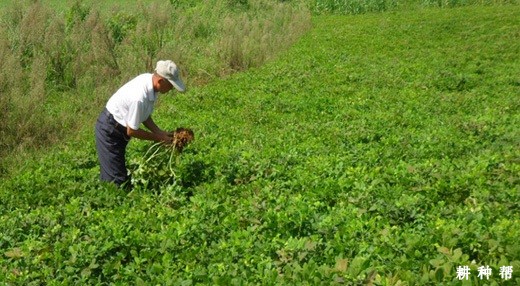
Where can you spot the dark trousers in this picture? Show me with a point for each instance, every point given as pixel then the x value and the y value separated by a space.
pixel 111 141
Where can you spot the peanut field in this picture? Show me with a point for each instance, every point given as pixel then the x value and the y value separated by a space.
pixel 380 148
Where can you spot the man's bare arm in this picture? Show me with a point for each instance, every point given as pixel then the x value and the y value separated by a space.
pixel 146 135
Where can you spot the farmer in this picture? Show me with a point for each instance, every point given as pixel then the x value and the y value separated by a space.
pixel 130 106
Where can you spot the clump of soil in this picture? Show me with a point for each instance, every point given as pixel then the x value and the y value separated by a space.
pixel 181 137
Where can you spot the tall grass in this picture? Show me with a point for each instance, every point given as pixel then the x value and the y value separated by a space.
pixel 59 67
pixel 251 39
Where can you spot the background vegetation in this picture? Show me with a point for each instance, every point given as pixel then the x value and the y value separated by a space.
pixel 379 149
pixel 59 65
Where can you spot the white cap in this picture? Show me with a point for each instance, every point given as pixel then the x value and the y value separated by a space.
pixel 169 71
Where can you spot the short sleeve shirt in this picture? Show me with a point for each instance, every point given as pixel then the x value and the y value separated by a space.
pixel 133 103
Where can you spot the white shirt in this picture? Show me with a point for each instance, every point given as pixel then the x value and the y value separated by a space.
pixel 133 103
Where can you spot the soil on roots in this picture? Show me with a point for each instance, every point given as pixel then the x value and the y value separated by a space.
pixel 182 137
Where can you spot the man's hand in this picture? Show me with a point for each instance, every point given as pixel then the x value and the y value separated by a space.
pixel 164 133
pixel 155 134
pixel 167 138
pixel 164 137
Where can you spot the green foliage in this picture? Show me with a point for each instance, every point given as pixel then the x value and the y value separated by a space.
pixel 120 24
pixel 77 13
pixel 381 149
pixel 354 7
pixel 459 3
pixel 61 65
pixel 183 3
